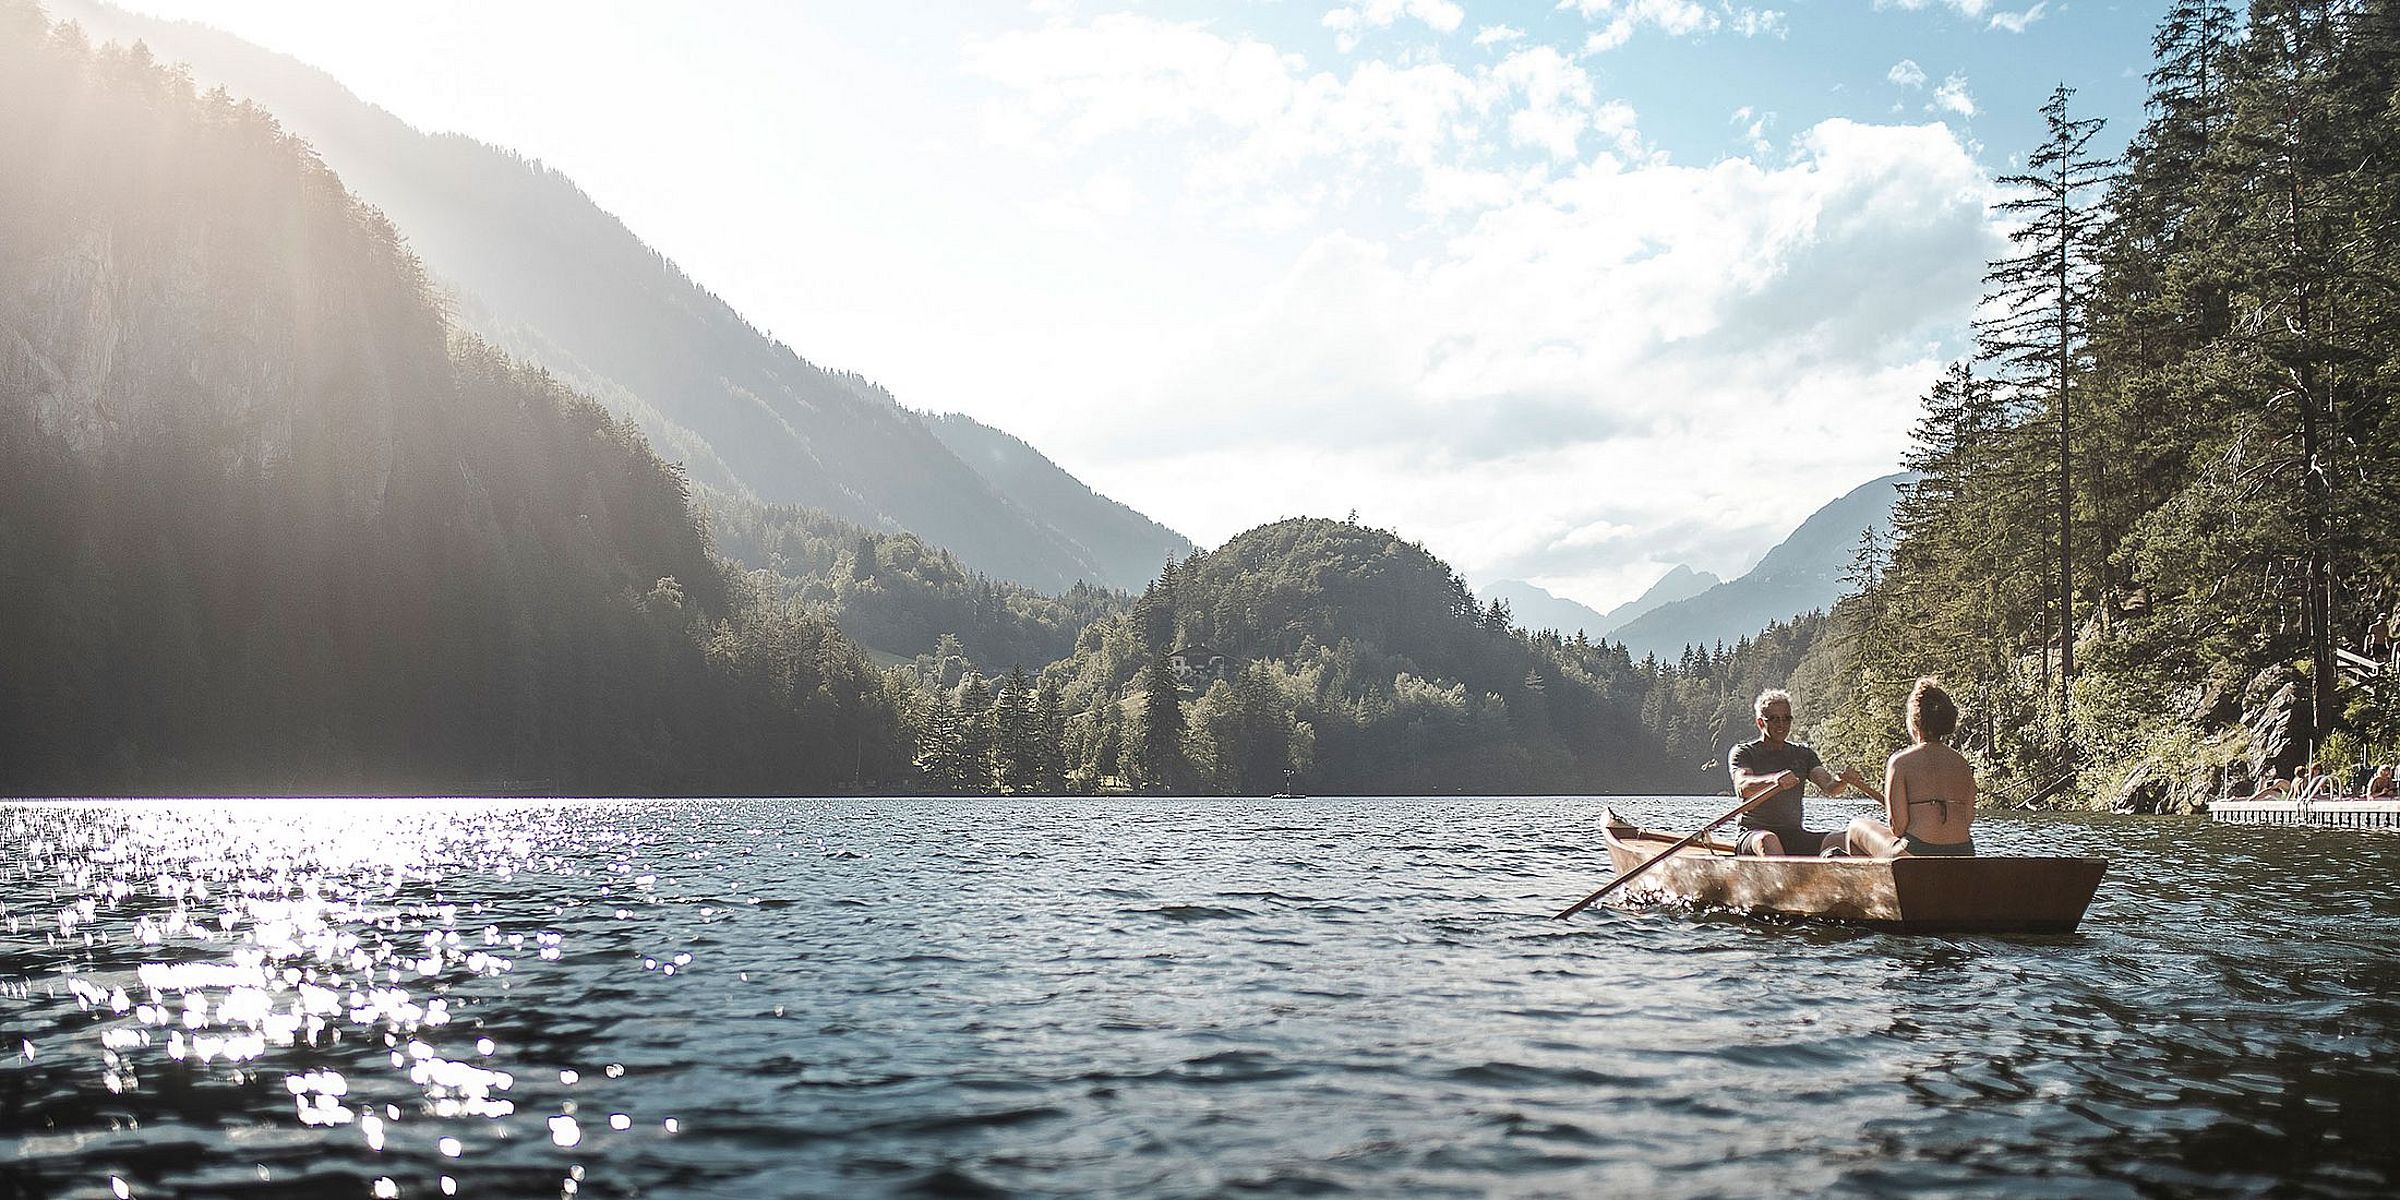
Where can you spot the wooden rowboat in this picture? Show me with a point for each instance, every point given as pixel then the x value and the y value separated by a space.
pixel 1906 895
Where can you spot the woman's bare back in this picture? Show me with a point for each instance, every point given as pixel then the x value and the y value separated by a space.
pixel 1938 786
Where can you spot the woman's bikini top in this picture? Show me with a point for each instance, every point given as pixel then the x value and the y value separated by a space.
pixel 1943 804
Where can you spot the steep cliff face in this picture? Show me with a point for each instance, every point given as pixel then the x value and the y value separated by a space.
pixel 178 271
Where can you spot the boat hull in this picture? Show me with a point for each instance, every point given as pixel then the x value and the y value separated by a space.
pixel 1910 894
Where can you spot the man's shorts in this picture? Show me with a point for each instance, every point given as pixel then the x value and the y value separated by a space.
pixel 1803 843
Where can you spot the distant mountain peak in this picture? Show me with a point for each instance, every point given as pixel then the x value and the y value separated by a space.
pixel 1679 583
pixel 1803 573
pixel 1535 608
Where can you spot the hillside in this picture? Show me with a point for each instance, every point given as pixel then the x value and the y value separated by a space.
pixel 1128 547
pixel 267 524
pixel 536 268
pixel 892 592
pixel 1371 658
pixel 1804 573
pixel 1681 583
pixel 1534 608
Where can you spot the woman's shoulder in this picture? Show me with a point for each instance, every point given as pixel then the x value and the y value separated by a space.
pixel 1932 756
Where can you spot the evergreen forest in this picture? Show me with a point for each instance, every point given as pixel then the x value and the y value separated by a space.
pixel 2151 547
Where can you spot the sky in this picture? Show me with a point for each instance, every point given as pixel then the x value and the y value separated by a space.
pixel 1569 292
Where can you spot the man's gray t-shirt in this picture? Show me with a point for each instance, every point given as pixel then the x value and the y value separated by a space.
pixel 1783 814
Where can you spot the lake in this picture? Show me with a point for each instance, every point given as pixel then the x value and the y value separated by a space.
pixel 1150 997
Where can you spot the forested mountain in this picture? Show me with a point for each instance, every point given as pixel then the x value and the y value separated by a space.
pixel 1353 661
pixel 266 523
pixel 543 273
pixel 2155 505
pixel 892 592
pixel 1806 572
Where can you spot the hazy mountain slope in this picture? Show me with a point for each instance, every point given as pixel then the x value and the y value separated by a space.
pixel 1681 583
pixel 1801 574
pixel 891 592
pixel 1129 547
pixel 546 274
pixel 266 525
pixel 1534 608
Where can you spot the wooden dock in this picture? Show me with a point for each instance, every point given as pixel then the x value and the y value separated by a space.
pixel 2341 814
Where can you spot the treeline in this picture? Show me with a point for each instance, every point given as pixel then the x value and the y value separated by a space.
pixel 893 592
pixel 1700 704
pixel 1343 659
pixel 2156 501
pixel 266 524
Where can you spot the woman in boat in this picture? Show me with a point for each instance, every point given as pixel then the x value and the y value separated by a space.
pixel 1928 789
pixel 2380 787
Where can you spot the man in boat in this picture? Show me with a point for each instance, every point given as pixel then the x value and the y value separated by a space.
pixel 1781 768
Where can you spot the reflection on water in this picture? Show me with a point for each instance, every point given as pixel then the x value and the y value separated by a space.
pixel 1185 997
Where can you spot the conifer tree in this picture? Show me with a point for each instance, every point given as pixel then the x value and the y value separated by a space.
pixel 2040 296
pixel 1050 737
pixel 2306 301
pixel 977 730
pixel 1160 749
pixel 1016 743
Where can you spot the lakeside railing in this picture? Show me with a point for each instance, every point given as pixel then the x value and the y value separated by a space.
pixel 2344 814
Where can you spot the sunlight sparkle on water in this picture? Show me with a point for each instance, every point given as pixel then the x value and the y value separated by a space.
pixel 239 930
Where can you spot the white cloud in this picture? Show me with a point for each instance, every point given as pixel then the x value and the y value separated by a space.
pixel 1952 97
pixel 1619 20
pixel 2013 22
pixel 1964 8
pixel 1262 132
pixel 1351 20
pixel 2017 21
pixel 1758 22
pixel 1620 347
pixel 1906 73
pixel 1754 126
pixel 1582 346
pixel 1493 35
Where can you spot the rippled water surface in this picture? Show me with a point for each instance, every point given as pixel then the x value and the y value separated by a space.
pixel 1148 997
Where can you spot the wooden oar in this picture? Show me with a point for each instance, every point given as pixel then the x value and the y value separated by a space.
pixel 1671 851
pixel 1677 848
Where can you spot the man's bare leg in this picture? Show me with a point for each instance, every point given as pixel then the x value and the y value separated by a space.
pixel 1870 838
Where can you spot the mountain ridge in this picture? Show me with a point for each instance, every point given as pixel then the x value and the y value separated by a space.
pixel 1803 573
pixel 543 272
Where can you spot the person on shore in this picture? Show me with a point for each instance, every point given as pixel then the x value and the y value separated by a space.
pixel 1928 789
pixel 2381 787
pixel 1777 767
pixel 2270 786
pixel 2309 783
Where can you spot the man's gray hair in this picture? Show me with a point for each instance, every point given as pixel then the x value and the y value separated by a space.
pixel 1770 696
